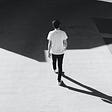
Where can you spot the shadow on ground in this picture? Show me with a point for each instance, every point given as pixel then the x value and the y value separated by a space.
pixel 93 92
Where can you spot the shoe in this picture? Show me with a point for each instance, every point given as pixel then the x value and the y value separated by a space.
pixel 60 83
pixel 55 71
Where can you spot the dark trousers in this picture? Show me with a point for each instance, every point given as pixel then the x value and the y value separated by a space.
pixel 59 59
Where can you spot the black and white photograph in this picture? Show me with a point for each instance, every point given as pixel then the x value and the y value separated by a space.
pixel 55 55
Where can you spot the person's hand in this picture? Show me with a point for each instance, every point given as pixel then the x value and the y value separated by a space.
pixel 49 54
pixel 64 48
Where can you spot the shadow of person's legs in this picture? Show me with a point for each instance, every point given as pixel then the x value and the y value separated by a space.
pixel 91 91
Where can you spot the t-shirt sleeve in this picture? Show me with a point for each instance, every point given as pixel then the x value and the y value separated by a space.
pixel 49 36
pixel 65 36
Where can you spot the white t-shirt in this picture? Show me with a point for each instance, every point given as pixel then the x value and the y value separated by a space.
pixel 56 37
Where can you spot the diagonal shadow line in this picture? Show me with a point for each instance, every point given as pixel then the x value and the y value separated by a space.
pixel 92 92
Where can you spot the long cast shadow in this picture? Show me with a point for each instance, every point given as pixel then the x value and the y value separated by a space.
pixel 93 92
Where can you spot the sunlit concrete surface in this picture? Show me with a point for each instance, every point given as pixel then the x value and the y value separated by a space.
pixel 27 85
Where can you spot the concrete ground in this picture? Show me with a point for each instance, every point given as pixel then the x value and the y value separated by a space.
pixel 27 82
pixel 27 85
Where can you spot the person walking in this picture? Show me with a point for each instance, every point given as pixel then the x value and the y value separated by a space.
pixel 57 44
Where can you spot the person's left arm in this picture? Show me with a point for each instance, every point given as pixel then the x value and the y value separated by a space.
pixel 49 44
pixel 65 44
pixel 65 41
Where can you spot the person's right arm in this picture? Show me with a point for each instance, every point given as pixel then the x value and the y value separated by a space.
pixel 49 44
pixel 49 48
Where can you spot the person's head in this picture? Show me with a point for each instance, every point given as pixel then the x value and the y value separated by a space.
pixel 56 24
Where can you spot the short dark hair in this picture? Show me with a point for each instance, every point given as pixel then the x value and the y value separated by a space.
pixel 56 23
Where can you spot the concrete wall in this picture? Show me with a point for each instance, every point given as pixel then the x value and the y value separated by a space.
pixel 24 25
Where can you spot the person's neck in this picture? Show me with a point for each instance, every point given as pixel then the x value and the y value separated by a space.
pixel 57 28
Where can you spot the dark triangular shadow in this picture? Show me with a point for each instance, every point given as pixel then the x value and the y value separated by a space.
pixel 93 92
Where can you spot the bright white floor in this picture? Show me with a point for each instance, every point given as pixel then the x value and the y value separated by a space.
pixel 27 85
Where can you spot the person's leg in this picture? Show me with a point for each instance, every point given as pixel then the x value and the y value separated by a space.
pixel 60 62
pixel 54 61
